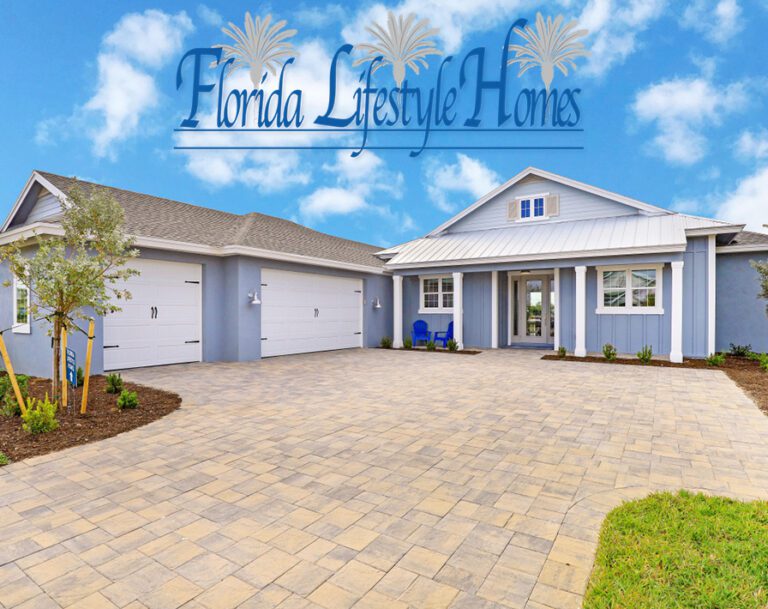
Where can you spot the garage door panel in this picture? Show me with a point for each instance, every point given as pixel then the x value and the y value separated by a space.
pixel 304 312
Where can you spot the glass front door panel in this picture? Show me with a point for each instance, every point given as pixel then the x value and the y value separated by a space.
pixel 534 294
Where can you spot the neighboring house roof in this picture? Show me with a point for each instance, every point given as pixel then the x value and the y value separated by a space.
pixel 151 218
pixel 583 238
pixel 547 175
pixel 746 241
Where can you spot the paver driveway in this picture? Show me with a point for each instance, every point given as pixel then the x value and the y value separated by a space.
pixel 368 479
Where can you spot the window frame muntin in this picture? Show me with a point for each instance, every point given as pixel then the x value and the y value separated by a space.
pixel 628 308
pixel 439 309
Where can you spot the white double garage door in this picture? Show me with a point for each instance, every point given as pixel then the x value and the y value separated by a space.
pixel 162 322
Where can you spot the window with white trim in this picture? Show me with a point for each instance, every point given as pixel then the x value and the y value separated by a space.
pixel 436 294
pixel 635 289
pixel 21 324
pixel 531 207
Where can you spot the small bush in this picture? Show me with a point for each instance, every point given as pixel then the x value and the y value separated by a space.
pixel 716 359
pixel 755 357
pixel 128 400
pixel 4 460
pixel 562 352
pixel 609 352
pixel 40 416
pixel 386 342
pixel 407 343
pixel 453 345
pixel 431 346
pixel 763 360
pixel 80 376
pixel 114 383
pixel 645 354
pixel 8 404
pixel 741 350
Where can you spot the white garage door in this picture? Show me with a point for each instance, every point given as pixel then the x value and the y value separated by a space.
pixel 304 312
pixel 161 323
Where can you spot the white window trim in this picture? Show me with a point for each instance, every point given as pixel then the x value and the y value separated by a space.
pixel 628 309
pixel 521 198
pixel 441 308
pixel 20 328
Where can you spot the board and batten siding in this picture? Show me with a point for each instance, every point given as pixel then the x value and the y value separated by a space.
pixel 574 205
pixel 741 316
pixel 46 206
pixel 695 278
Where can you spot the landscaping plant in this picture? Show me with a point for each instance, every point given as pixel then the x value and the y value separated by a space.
pixel 609 352
pixel 453 345
pixel 80 376
pixel 431 346
pixel 562 352
pixel 761 266
pixel 763 361
pixel 741 350
pixel 407 343
pixel 716 359
pixel 4 460
pixel 114 383
pixel 645 354
pixel 74 275
pixel 40 416
pixel 8 404
pixel 386 342
pixel 128 400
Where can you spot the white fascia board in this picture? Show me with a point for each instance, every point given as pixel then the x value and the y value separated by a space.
pixel 34 178
pixel 628 251
pixel 740 249
pixel 714 230
pixel 644 207
pixel 29 231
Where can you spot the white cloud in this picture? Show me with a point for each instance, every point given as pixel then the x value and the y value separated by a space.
pixel 717 20
pixel 320 16
pixel 209 16
pixel 327 201
pixel 614 27
pixel 150 38
pixel 682 109
pixel 748 202
pixel 465 176
pixel 753 145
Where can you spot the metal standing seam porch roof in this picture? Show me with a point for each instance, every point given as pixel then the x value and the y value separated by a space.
pixel 593 237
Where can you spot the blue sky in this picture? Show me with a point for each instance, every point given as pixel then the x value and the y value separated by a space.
pixel 673 108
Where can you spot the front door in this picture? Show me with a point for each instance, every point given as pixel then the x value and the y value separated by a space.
pixel 534 309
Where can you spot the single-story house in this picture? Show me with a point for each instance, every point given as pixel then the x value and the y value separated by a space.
pixel 541 261
pixel 547 261
pixel 214 286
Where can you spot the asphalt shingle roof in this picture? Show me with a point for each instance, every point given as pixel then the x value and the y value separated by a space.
pixel 746 237
pixel 150 216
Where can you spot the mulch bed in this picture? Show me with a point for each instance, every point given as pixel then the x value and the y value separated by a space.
pixel 425 350
pixel 745 372
pixel 103 419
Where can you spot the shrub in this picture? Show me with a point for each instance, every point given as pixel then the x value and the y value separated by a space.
pixel 453 345
pixel 763 360
pixel 4 460
pixel 645 354
pixel 431 346
pixel 407 343
pixel 80 376
pixel 741 350
pixel 40 416
pixel 128 400
pixel 386 342
pixel 114 383
pixel 562 352
pixel 716 359
pixel 609 351
pixel 8 404
pixel 755 357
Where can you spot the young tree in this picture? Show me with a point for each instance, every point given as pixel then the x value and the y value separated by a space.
pixel 68 273
pixel 761 266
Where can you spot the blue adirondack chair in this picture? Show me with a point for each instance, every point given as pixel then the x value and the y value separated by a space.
pixel 420 331
pixel 444 337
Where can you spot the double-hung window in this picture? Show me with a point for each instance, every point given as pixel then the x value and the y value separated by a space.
pixel 21 321
pixel 636 289
pixel 436 294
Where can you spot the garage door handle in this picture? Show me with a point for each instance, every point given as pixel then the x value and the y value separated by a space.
pixel 110 346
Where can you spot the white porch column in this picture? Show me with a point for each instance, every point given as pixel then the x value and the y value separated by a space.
pixel 581 311
pixel 510 311
pixel 557 308
pixel 676 354
pixel 458 309
pixel 711 293
pixel 494 310
pixel 397 311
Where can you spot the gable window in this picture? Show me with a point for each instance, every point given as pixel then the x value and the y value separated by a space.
pixel 530 207
pixel 21 323
pixel 628 290
pixel 436 294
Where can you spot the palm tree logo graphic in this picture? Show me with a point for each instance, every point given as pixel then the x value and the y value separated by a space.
pixel 550 45
pixel 259 47
pixel 404 44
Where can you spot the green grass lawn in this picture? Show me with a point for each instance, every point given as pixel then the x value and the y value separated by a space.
pixel 682 551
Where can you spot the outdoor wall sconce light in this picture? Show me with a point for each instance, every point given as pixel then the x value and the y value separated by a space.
pixel 376 303
pixel 253 297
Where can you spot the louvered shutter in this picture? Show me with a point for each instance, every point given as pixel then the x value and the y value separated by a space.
pixel 552 206
pixel 512 210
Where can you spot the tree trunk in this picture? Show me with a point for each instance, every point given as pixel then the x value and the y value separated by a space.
pixel 56 359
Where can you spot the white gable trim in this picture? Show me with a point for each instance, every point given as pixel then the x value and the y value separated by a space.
pixel 34 178
pixel 644 207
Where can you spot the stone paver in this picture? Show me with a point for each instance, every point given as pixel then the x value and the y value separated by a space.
pixel 369 479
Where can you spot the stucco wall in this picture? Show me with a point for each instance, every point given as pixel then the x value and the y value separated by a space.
pixel 741 316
